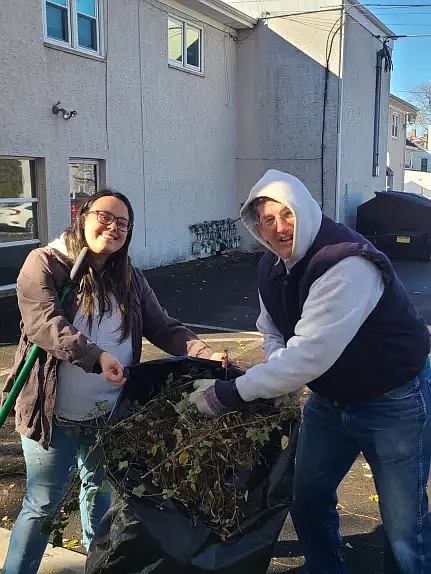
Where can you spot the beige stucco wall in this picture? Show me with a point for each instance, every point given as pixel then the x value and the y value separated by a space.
pixel 357 184
pixel 167 136
pixel 280 75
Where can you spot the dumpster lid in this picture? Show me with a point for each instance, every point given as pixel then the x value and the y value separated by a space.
pixel 406 196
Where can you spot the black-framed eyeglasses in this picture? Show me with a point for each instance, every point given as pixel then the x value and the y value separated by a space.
pixel 106 218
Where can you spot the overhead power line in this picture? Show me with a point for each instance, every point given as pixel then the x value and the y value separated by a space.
pixel 398 36
pixel 339 7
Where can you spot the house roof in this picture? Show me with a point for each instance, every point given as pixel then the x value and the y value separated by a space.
pixel 372 18
pixel 411 144
pixel 403 103
pixel 222 12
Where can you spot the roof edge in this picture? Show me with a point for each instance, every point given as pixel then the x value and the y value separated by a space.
pixel 403 102
pixel 222 12
pixel 372 18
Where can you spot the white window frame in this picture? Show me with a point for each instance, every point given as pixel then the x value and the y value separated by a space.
pixel 396 125
pixel 72 20
pixel 184 65
pixel 408 164
pixel 95 162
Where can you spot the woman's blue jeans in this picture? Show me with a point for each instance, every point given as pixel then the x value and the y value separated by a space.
pixel 49 474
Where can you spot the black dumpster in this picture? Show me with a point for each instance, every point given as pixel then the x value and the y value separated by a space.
pixel 140 535
pixel 397 223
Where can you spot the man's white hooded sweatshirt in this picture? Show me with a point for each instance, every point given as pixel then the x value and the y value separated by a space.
pixel 337 305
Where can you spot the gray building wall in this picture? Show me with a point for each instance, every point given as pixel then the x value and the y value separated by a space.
pixel 34 78
pixel 167 136
pixel 280 83
pixel 357 183
pixel 189 140
pixel 295 69
pixel 187 148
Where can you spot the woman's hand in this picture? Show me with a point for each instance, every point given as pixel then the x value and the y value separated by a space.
pixel 112 369
pixel 223 359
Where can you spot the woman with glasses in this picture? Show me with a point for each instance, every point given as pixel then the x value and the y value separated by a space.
pixel 85 344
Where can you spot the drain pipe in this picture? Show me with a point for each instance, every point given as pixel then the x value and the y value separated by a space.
pixel 377 104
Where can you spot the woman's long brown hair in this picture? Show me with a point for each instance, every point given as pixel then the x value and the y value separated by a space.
pixel 116 275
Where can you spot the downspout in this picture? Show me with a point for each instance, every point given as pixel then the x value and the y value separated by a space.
pixel 343 39
pixel 377 104
pixel 406 115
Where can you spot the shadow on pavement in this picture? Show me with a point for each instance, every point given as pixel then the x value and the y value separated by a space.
pixel 363 552
pixel 222 292
pixel 9 320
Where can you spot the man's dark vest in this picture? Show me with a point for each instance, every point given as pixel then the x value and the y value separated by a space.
pixel 390 347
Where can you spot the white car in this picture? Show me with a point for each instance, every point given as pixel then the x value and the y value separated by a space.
pixel 17 215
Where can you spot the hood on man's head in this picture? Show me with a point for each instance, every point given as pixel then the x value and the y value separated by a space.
pixel 289 191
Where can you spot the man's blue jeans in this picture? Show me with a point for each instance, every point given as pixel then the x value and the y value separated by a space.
pixel 49 474
pixel 393 432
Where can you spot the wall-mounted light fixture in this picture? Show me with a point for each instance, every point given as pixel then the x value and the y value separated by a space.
pixel 66 115
pixel 411 118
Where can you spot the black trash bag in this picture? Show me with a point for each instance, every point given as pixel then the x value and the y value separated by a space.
pixel 139 536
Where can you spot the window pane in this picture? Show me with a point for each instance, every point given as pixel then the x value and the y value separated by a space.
pixel 16 178
pixel 175 40
pixel 11 261
pixel 87 37
pixel 87 7
pixel 18 222
pixel 193 47
pixel 83 183
pixel 56 23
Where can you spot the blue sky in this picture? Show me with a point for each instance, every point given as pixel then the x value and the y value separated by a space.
pixel 412 56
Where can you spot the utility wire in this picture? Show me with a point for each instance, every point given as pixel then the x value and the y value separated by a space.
pixel 385 6
pixel 396 37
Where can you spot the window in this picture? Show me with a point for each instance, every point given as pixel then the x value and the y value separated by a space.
pixel 57 20
pixel 389 179
pixel 424 164
pixel 395 125
pixel 19 232
pixel 184 45
pixel 84 181
pixel 73 23
pixel 409 161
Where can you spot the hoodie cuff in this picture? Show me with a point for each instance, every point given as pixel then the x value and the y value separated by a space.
pixel 227 394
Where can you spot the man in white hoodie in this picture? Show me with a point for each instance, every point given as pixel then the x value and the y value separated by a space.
pixel 334 316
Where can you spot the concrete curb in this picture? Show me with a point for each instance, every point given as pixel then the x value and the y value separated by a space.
pixel 55 560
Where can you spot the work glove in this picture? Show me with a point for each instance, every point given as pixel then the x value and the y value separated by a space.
pixel 213 396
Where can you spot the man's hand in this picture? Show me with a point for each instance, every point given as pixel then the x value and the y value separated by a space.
pixel 221 358
pixel 112 369
pixel 213 396
pixel 204 395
